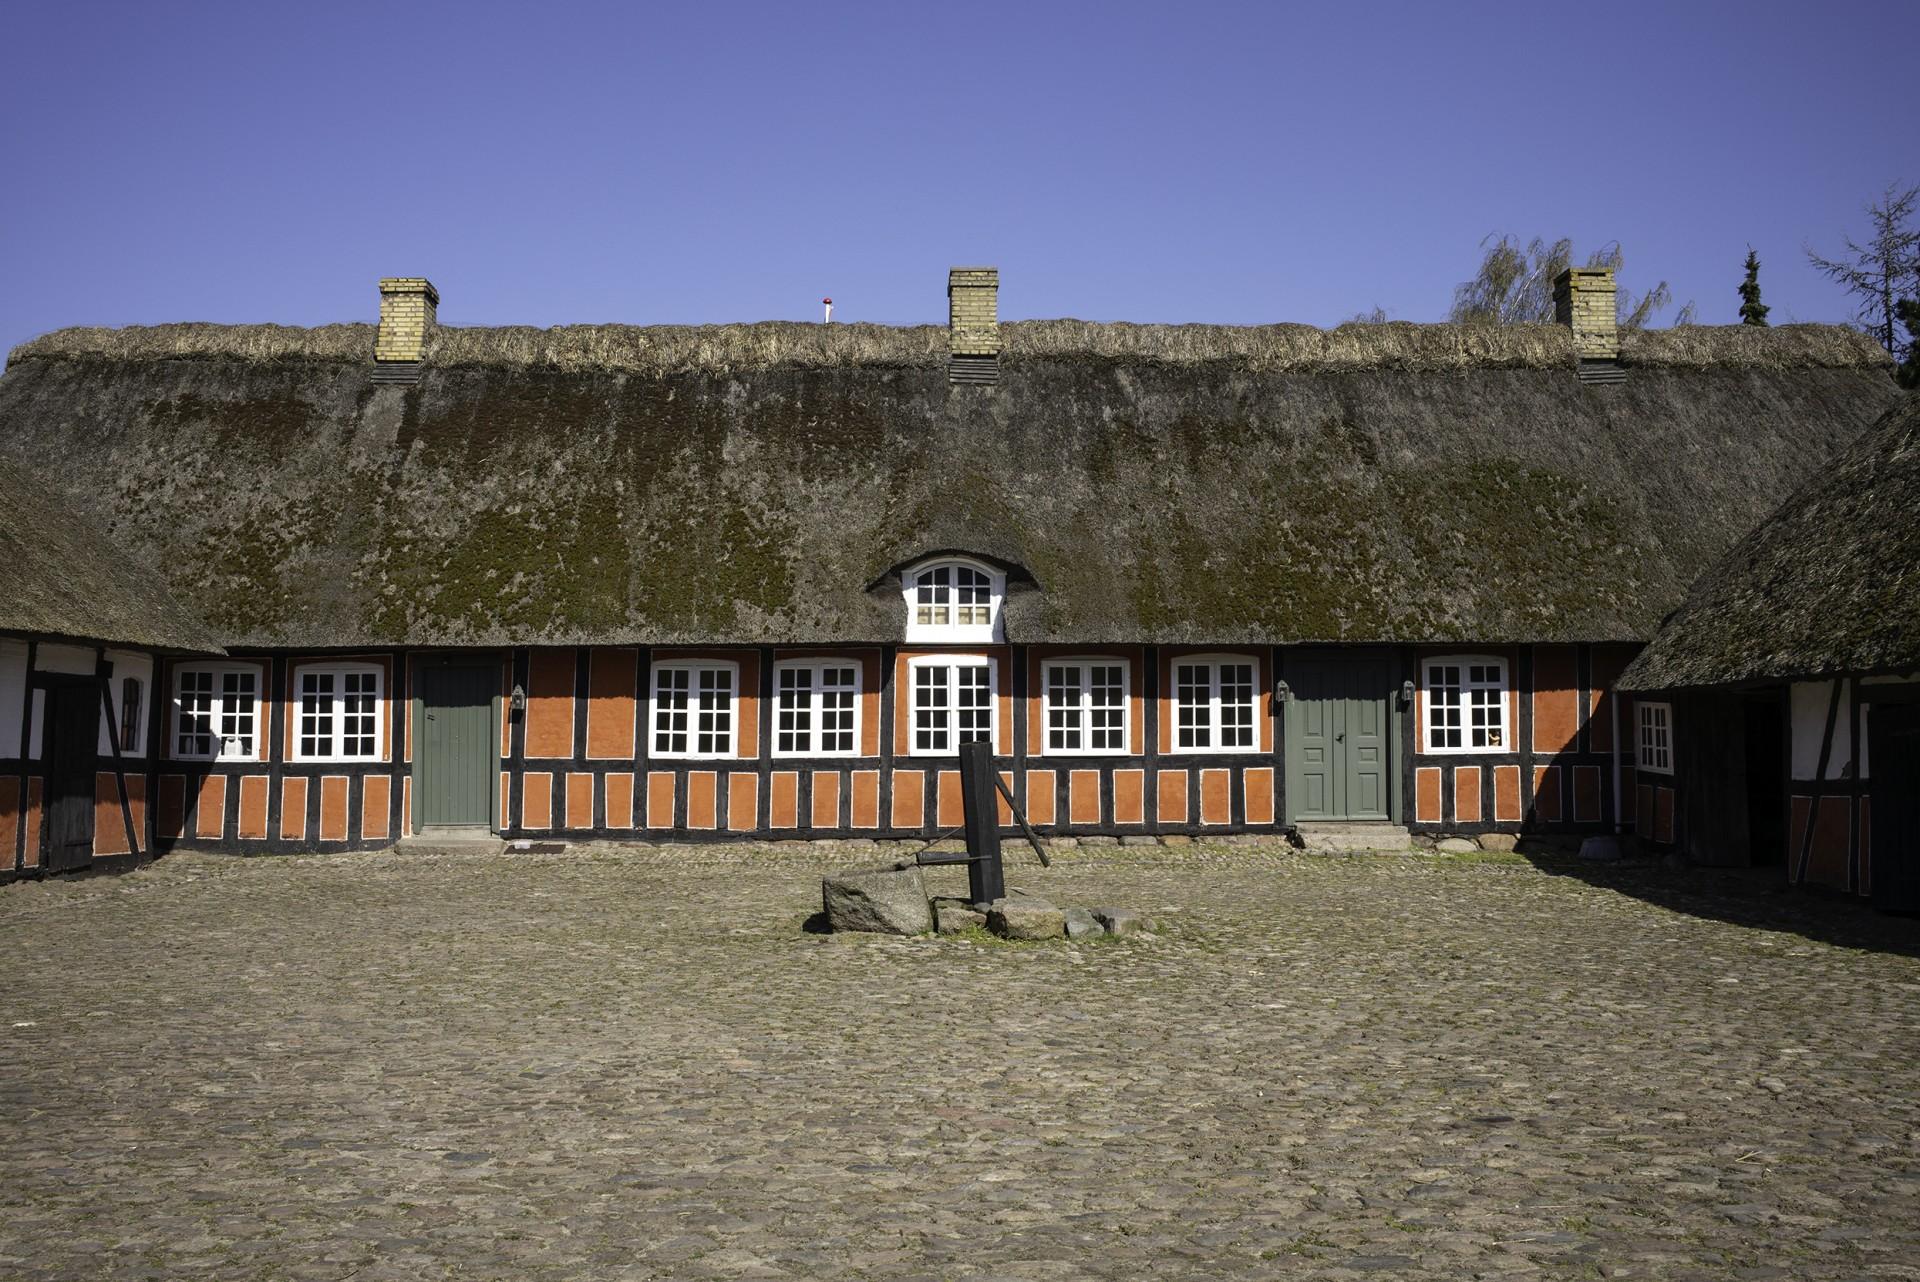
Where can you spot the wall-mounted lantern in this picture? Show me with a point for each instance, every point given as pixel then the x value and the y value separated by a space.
pixel 1282 691
pixel 1406 693
pixel 518 700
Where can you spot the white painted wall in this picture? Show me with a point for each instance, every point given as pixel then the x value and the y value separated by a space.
pixel 127 663
pixel 75 660
pixel 1810 699
pixel 13 694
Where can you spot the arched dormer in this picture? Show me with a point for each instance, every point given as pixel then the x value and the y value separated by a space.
pixel 954 599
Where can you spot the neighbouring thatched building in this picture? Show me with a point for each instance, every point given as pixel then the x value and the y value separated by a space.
pixel 763 579
pixel 81 629
pixel 1793 671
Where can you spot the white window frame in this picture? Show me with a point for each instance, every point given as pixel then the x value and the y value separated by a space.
pixel 1653 736
pixel 693 668
pixel 1213 663
pixel 814 710
pixel 952 662
pixel 216 711
pixel 1504 704
pixel 336 714
pixel 910 592
pixel 1083 708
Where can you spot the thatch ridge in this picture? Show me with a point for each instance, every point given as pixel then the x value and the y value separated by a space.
pixel 767 345
pixel 1829 583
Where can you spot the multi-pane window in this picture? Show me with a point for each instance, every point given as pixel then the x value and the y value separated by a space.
pixel 952 704
pixel 693 709
pixel 952 600
pixel 816 708
pixel 1466 705
pixel 1656 737
pixel 1086 706
pixel 216 712
pixel 1213 705
pixel 336 713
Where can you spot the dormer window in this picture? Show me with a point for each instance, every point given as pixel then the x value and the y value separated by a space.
pixel 954 601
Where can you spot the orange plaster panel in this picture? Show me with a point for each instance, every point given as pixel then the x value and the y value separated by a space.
pixel 1083 797
pixel 9 819
pixel 293 808
pixel 1556 698
pixel 1040 799
pixel 866 799
pixel 703 799
pixel 749 747
pixel 334 816
pixel 1608 663
pixel 579 800
pixel 870 711
pixel 254 794
pixel 549 714
pixel 1506 794
pixel 1827 862
pixel 172 819
pixel 506 799
pixel 909 799
pixel 210 811
pixel 1170 804
pixel 826 799
pixel 783 799
pixel 35 806
pixel 137 803
pixel 1259 782
pixel 1466 794
pixel 376 807
pixel 1546 794
pixel 1642 818
pixel 1216 796
pixel 1426 795
pixel 612 697
pixel 1586 794
pixel 949 813
pixel 109 827
pixel 406 806
pixel 536 800
pixel 1129 796
pixel 660 793
pixel 1002 812
pixel 743 801
pixel 620 800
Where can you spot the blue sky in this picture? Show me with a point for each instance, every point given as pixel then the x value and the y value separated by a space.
pixel 1225 162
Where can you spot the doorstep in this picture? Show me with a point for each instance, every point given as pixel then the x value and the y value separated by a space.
pixel 1344 837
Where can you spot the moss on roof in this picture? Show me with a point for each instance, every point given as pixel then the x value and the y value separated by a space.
pixel 1829 583
pixel 63 578
pixel 1159 483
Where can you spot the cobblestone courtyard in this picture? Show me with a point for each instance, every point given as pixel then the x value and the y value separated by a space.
pixel 632 1064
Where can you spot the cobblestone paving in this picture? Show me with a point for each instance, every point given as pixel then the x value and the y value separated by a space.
pixel 636 1064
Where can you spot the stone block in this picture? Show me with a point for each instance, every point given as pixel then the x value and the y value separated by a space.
pixel 951 916
pixel 1500 841
pixel 1122 921
pixel 888 901
pixel 1026 918
pixel 1454 846
pixel 1080 924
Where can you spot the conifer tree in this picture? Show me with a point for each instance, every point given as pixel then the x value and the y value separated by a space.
pixel 1752 310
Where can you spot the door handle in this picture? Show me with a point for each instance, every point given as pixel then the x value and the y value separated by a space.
pixel 1340 738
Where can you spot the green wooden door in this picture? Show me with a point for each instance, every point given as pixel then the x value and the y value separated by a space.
pixel 1338 736
pixel 454 759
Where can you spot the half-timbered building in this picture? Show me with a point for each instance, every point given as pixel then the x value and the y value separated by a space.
pixel 1781 702
pixel 762 580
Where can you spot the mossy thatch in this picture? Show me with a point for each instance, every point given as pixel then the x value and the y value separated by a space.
pixel 665 349
pixel 64 579
pixel 1830 583
pixel 294 502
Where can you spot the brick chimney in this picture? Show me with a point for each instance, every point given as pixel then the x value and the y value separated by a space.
pixel 407 309
pixel 1583 298
pixel 973 325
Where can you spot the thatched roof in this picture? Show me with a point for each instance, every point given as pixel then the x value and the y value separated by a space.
pixel 64 580
pixel 748 483
pixel 1830 583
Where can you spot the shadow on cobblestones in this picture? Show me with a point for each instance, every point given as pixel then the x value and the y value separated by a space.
pixel 1757 898
pixel 622 1064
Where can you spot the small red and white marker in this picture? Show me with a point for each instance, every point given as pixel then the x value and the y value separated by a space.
pixel 828 304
